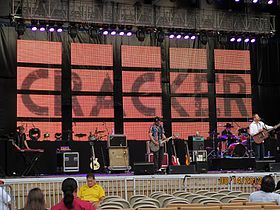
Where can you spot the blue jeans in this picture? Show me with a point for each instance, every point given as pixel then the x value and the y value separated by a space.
pixel 259 151
pixel 158 158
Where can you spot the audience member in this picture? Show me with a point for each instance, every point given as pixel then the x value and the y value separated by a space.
pixel 266 194
pixel 35 200
pixel 70 200
pixel 5 198
pixel 92 191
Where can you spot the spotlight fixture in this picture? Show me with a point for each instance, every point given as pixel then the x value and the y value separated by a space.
pixel 178 36
pixel 73 31
pixel 105 32
pixel 203 38
pixel 270 2
pixel 34 25
pixel 171 36
pixel 20 28
pixel 140 34
pixel 255 1
pixel 129 33
pixel 121 33
pixel 253 40
pixel 113 33
pixel 237 0
pixel 246 40
pixel 51 27
pixel 59 27
pixel 239 39
pixel 232 39
pixel 193 37
pixel 223 38
pixel 186 37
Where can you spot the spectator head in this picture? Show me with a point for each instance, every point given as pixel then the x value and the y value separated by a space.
pixel 91 180
pixel 69 187
pixel 268 184
pixel 35 200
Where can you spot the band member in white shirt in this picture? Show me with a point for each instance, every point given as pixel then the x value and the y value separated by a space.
pixel 255 127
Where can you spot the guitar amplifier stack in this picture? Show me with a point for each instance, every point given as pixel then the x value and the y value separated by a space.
pixel 118 153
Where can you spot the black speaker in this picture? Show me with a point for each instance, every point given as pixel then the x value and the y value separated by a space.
pixel 182 169
pixel 143 168
pixel 274 167
pixel 196 143
pixel 263 165
pixel 201 167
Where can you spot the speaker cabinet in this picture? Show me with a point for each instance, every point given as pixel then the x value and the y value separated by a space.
pixel 182 169
pixel 117 140
pixel 196 143
pixel 119 158
pixel 143 168
pixel 264 165
pixel 274 167
pixel 201 167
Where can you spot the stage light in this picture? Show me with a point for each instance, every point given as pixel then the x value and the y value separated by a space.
pixel 73 31
pixel 223 38
pixel 113 33
pixel 129 33
pixel 59 27
pixel 186 37
pixel 140 34
pixel 34 28
pixel 246 40
pixel 171 36
pixel 178 36
pixel 121 33
pixel 193 37
pixel 270 2
pixel 203 38
pixel 34 134
pixel 239 39
pixel 105 32
pixel 20 28
pixel 253 40
pixel 232 39
pixel 34 25
pixel 237 0
pixel 51 29
pixel 255 1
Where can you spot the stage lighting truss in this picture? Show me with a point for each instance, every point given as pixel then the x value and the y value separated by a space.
pixel 146 15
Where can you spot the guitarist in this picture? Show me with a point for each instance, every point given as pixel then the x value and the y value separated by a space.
pixel 156 132
pixel 255 127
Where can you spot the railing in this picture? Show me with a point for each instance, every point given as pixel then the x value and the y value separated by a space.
pixel 126 186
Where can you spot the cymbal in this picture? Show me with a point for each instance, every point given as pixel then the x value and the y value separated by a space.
pixel 99 131
pixel 80 135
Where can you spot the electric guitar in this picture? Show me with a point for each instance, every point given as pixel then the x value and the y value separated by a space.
pixel 174 158
pixel 188 158
pixel 155 147
pixel 264 134
pixel 94 164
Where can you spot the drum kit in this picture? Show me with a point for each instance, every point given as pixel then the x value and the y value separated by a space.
pixel 230 145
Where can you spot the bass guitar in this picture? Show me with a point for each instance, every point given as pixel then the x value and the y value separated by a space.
pixel 264 134
pixel 94 164
pixel 155 147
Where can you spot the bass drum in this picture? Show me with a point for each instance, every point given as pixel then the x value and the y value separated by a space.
pixel 238 150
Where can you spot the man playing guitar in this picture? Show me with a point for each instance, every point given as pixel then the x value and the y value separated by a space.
pixel 256 127
pixel 156 133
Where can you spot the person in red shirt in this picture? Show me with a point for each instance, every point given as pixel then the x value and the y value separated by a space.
pixel 70 200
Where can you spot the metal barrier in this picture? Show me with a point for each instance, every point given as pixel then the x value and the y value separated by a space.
pixel 6 197
pixel 126 186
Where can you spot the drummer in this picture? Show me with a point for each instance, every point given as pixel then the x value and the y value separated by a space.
pixel 227 134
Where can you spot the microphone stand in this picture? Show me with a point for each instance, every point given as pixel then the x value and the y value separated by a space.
pixel 213 153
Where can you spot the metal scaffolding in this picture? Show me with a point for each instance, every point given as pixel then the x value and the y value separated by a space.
pixel 81 11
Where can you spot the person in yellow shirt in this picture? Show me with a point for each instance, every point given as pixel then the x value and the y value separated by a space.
pixel 92 191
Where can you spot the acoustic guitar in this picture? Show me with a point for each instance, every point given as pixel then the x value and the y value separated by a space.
pixel 264 134
pixel 155 148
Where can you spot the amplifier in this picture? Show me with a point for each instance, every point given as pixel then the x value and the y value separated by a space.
pixel 119 158
pixel 165 161
pixel 196 143
pixel 201 167
pixel 117 140
pixel 68 162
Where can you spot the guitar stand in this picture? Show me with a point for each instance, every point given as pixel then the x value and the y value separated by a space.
pixel 30 163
